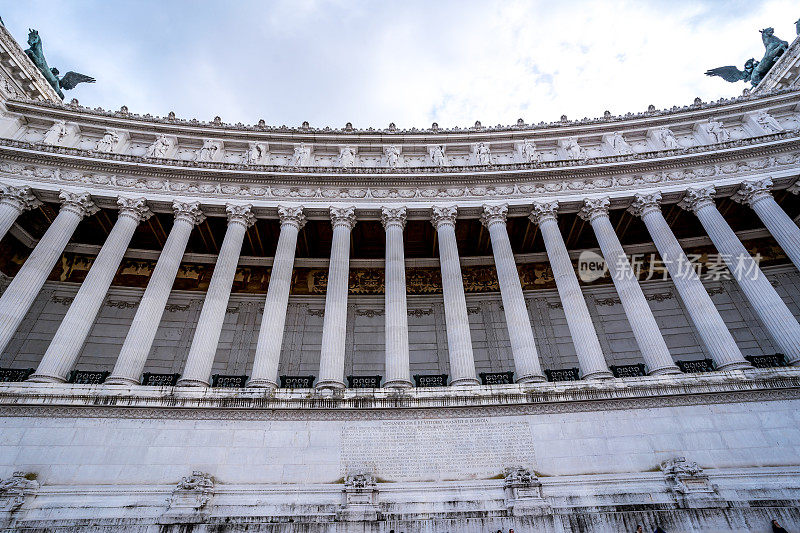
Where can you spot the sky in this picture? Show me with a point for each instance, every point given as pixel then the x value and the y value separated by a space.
pixel 411 62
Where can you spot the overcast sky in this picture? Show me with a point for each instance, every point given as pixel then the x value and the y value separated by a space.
pixel 411 62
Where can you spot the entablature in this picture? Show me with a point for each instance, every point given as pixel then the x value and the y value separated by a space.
pixel 262 152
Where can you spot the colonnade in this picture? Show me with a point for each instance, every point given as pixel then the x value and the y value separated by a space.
pixel 68 341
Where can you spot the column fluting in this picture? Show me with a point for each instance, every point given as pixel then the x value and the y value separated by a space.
pixel 704 314
pixel 581 328
pixel 200 360
pixel 273 321
pixel 136 347
pixel 23 289
pixel 523 345
pixel 758 196
pixel 640 316
pixel 397 356
pixel 768 305
pixel 334 325
pixel 71 335
pixel 459 339
pixel 13 202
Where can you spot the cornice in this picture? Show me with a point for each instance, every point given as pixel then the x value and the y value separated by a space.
pixel 86 160
pixel 776 156
pixel 59 400
pixel 262 132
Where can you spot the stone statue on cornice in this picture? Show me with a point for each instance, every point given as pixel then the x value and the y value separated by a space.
pixel 754 71
pixel 36 55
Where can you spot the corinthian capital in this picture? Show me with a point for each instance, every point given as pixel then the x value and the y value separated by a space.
pixel 343 216
pixel 393 215
pixel 136 208
pixel 79 203
pixel 492 214
pixel 751 192
pixel 645 203
pixel 188 211
pixel 240 214
pixel 292 215
pixel 695 199
pixel 22 198
pixel 594 207
pixel 543 211
pixel 444 215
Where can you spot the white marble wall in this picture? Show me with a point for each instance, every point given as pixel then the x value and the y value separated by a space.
pixel 364 345
pixel 99 450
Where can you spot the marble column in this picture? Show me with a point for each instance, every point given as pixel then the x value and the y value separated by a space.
pixel 23 289
pixel 459 340
pixel 640 316
pixel 520 334
pixel 581 328
pixel 137 344
pixel 769 307
pixel 334 325
pixel 397 358
pixel 197 371
pixel 757 195
pixel 706 318
pixel 270 335
pixel 13 202
pixel 71 335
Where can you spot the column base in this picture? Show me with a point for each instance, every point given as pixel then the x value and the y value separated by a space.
pixel 45 378
pixel 261 383
pixel 665 371
pixel 398 384
pixel 465 381
pixel 120 380
pixel 330 384
pixel 735 365
pixel 533 378
pixel 599 374
pixel 192 383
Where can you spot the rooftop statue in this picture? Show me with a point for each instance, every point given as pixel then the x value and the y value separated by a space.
pixel 36 54
pixel 754 71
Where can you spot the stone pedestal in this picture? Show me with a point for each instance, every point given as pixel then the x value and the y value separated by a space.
pixel 523 493
pixel 360 499
pixel 188 503
pixel 690 485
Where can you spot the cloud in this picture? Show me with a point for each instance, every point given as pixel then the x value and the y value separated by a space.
pixel 412 63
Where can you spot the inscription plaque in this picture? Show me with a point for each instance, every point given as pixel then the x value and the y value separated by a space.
pixel 425 450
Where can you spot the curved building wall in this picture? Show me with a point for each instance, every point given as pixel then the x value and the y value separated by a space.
pixel 470 238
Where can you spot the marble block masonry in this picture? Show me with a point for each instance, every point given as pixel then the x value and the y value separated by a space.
pixel 217 327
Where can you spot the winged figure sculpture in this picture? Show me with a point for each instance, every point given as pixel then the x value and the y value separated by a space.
pixel 754 71
pixel 36 55
pixel 733 74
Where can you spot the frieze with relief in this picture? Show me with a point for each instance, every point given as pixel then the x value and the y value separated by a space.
pixel 517 186
pixel 74 267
